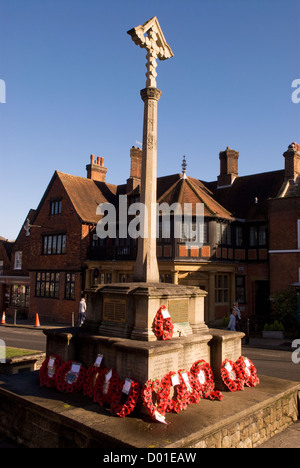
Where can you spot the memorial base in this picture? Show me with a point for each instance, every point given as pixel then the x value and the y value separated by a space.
pixel 127 310
pixel 141 360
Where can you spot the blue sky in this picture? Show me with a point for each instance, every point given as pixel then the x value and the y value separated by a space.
pixel 73 78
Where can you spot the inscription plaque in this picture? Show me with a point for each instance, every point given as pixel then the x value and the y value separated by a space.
pixel 114 310
pixel 179 310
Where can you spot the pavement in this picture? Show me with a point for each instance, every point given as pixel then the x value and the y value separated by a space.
pixel 290 438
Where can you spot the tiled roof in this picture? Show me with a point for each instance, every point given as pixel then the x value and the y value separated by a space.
pixel 248 196
pixel 86 194
pixel 176 189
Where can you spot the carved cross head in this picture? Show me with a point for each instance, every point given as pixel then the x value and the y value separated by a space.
pixel 150 37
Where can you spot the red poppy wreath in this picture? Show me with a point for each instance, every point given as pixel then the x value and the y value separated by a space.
pixel 232 376
pixel 162 325
pixel 154 390
pixel 91 377
pixel 107 387
pixel 179 400
pixel 70 377
pixel 126 399
pixel 248 371
pixel 48 371
pixel 204 380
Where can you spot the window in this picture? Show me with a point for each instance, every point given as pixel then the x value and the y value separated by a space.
pixel 47 284
pixel 240 289
pixel 1 267
pixel 253 236
pixel 18 261
pixel 262 236
pixel 239 236
pixel 54 245
pixel 223 233
pixel 258 236
pixel 55 207
pixel 221 289
pixel 70 286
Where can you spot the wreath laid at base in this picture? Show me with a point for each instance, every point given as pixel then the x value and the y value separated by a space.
pixel 48 371
pixel 70 377
pixel 91 377
pixel 153 399
pixel 232 376
pixel 204 380
pixel 125 402
pixel 163 327
pixel 248 371
pixel 107 387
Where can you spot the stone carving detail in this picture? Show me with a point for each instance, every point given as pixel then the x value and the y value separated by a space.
pixel 155 44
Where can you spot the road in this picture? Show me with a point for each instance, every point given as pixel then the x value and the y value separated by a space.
pixel 274 363
pixel 26 338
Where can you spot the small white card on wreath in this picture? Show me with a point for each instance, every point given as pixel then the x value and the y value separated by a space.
pixel 165 313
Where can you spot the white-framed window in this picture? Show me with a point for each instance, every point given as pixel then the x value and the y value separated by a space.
pixel 18 260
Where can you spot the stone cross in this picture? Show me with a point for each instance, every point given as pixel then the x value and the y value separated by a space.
pixel 155 44
pixel 146 267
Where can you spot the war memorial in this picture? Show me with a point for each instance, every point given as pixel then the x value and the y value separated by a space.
pixel 152 335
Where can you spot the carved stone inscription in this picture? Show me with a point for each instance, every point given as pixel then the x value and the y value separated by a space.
pixel 114 310
pixel 179 310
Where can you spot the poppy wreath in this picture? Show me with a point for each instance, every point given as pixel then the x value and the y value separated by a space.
pixel 48 379
pixel 150 387
pixel 61 378
pixel 191 391
pixel 232 376
pixel 105 393
pixel 124 409
pixel 178 401
pixel 204 381
pixel 163 328
pixel 248 371
pixel 89 384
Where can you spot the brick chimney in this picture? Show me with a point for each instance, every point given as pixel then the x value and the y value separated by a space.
pixel 228 167
pixel 96 170
pixel 292 162
pixel 135 168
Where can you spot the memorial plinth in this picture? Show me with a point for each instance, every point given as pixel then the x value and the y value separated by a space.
pixel 127 310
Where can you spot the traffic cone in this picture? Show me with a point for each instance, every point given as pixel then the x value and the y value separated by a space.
pixel 37 320
pixel 3 318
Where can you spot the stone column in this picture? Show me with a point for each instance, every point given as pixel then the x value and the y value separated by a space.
pixel 146 267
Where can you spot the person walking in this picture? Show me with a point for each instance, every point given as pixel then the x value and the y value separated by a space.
pixel 82 312
pixel 232 320
pixel 238 317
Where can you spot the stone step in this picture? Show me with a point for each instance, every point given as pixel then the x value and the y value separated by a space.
pixel 45 418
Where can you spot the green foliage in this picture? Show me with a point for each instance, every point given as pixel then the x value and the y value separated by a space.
pixel 285 308
pixel 276 326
